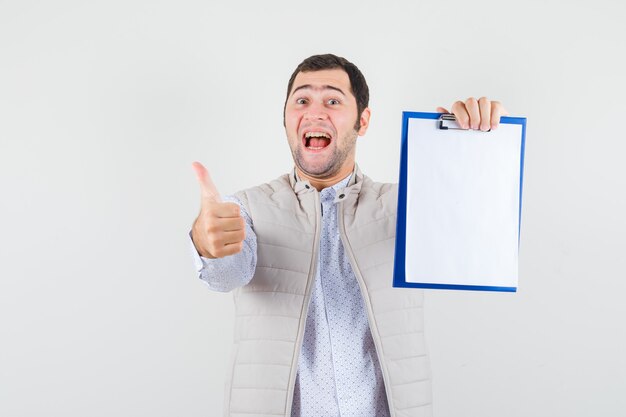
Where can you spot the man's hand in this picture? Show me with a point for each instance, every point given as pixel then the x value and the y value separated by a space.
pixel 475 114
pixel 219 229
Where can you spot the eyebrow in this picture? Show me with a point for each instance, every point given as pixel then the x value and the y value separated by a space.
pixel 324 87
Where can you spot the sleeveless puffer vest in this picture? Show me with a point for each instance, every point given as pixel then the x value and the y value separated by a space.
pixel 271 309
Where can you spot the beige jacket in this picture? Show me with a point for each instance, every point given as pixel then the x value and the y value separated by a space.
pixel 271 310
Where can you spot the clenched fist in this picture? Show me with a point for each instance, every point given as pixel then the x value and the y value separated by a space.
pixel 219 230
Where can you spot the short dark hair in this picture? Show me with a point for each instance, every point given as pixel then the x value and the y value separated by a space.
pixel 329 61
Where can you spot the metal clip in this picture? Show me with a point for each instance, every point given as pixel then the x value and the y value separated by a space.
pixel 448 122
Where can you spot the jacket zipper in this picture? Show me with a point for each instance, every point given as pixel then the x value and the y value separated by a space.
pixel 370 313
pixel 307 301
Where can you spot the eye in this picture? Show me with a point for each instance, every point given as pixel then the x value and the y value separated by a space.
pixel 333 101
pixel 301 101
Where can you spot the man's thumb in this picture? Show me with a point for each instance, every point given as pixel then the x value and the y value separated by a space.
pixel 207 188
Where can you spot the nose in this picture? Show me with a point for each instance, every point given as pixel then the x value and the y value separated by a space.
pixel 316 112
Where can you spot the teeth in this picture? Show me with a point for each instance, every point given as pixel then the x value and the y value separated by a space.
pixel 317 135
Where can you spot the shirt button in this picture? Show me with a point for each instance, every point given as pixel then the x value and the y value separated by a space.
pixel 342 195
pixel 307 186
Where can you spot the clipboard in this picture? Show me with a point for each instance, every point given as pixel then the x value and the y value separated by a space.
pixel 459 204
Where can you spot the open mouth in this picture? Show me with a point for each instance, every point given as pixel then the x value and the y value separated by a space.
pixel 316 140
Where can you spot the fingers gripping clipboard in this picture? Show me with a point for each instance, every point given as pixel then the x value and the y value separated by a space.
pixel 459 204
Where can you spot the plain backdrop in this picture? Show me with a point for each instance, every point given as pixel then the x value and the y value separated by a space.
pixel 104 105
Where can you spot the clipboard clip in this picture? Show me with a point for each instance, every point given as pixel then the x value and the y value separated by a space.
pixel 447 121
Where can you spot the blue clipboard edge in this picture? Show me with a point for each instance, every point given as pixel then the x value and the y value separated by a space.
pixel 399 272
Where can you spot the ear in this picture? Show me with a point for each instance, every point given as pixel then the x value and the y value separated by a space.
pixel 364 121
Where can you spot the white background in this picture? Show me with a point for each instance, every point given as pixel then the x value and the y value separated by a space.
pixel 105 104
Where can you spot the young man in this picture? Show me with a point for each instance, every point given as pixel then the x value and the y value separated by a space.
pixel 319 331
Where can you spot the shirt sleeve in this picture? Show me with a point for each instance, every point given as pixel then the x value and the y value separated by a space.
pixel 233 271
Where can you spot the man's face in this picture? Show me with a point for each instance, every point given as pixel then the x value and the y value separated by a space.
pixel 320 119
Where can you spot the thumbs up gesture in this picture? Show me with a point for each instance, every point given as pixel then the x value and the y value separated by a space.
pixel 219 230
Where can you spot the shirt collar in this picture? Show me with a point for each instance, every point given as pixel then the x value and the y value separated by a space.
pixel 349 185
pixel 328 194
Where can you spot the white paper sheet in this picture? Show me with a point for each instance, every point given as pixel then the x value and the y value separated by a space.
pixel 463 190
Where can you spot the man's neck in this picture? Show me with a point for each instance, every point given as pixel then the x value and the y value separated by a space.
pixel 321 183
